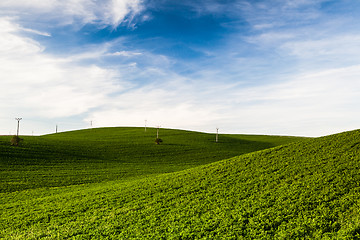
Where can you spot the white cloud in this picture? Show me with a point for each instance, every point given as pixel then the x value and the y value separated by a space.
pixel 108 12
pixel 125 54
pixel 300 3
pixel 313 104
pixel 45 34
pixel 330 46
pixel 270 38
pixel 289 14
pixel 40 86
pixel 37 85
pixel 263 26
pixel 119 9
pixel 40 5
pixel 11 45
pixel 173 104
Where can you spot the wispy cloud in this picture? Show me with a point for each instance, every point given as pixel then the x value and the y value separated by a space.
pixel 65 12
pixel 39 85
pixel 45 34
pixel 331 46
pixel 314 104
pixel 120 9
pixel 125 54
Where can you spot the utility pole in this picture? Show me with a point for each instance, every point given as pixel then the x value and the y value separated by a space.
pixel 145 124
pixel 157 140
pixel 157 131
pixel 91 122
pixel 217 135
pixel 18 125
pixel 56 128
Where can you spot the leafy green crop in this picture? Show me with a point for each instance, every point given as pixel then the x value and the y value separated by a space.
pixel 105 154
pixel 308 189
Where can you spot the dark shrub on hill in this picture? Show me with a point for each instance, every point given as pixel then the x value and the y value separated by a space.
pixel 15 140
pixel 158 141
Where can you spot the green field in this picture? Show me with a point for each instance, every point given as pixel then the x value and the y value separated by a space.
pixel 115 183
pixel 104 154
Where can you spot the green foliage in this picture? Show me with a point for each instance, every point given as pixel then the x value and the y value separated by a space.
pixel 158 141
pixel 307 189
pixel 15 140
pixel 106 154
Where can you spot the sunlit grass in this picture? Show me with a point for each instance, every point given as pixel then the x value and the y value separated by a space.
pixel 307 189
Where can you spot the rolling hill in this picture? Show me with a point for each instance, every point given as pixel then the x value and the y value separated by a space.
pixel 104 154
pixel 308 189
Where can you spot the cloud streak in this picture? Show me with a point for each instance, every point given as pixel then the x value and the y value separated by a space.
pixel 66 12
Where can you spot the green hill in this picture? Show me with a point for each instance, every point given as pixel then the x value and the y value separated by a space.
pixel 104 154
pixel 308 189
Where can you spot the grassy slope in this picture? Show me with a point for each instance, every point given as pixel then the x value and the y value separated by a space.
pixel 304 190
pixel 105 154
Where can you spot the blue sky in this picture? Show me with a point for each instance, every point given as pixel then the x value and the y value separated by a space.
pixel 285 67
